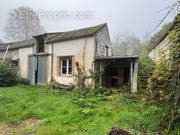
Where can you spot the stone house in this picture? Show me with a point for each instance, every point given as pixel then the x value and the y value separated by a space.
pixel 56 56
pixel 160 49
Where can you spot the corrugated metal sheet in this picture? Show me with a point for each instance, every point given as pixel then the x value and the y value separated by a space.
pixel 42 70
pixel 32 69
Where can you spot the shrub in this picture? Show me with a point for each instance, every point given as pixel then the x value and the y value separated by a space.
pixel 124 89
pixel 88 98
pixel 159 83
pixel 146 68
pixel 23 81
pixel 165 81
pixel 8 76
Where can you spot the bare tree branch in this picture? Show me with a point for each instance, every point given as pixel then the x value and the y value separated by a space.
pixel 172 9
pixel 22 24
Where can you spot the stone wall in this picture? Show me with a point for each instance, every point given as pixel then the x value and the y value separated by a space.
pixel 160 50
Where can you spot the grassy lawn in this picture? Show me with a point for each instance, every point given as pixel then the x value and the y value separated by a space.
pixel 68 113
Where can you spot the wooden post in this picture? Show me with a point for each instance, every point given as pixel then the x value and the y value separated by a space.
pixel 131 76
pixel 4 57
pixel 135 76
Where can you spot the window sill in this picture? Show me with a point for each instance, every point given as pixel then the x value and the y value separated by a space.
pixel 66 75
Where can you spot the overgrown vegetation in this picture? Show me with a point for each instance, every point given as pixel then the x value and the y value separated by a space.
pixel 77 112
pixel 88 82
pixel 23 81
pixel 146 67
pixel 165 82
pixel 8 76
pixel 80 78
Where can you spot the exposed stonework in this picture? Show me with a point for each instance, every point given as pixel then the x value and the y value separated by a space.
pixel 161 49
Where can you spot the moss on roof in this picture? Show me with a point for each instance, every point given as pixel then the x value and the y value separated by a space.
pixel 54 37
pixel 76 33
pixel 16 45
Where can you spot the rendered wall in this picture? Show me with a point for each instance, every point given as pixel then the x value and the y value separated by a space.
pixel 13 54
pixel 82 51
pixel 24 59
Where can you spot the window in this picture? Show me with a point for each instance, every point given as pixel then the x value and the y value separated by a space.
pixel 107 50
pixel 39 44
pixel 14 63
pixel 66 66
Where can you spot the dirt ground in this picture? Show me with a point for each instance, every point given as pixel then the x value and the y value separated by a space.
pixel 25 128
pixel 118 131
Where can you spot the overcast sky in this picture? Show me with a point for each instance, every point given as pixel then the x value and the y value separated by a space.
pixel 136 16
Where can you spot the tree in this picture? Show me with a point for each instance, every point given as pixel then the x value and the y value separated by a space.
pixel 22 24
pixel 137 46
pixel 127 44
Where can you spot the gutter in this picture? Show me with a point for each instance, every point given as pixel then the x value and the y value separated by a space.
pixel 52 61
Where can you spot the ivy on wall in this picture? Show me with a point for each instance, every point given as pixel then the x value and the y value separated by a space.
pixel 164 84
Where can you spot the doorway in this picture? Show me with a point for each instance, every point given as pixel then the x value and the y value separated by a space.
pixel 114 76
pixel 37 70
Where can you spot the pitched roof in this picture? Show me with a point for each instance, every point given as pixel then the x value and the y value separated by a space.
pixel 24 43
pixel 16 45
pixel 76 33
pixel 54 37
pixel 48 35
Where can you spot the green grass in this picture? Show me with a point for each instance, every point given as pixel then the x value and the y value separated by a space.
pixel 63 113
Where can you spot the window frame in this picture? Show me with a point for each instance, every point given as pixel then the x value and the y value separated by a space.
pixel 15 63
pixel 60 65
pixel 67 66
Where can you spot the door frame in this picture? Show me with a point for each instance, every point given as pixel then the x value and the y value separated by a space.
pixel 36 75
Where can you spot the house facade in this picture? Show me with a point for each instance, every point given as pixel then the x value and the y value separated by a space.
pixel 17 55
pixel 56 56
pixel 160 50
